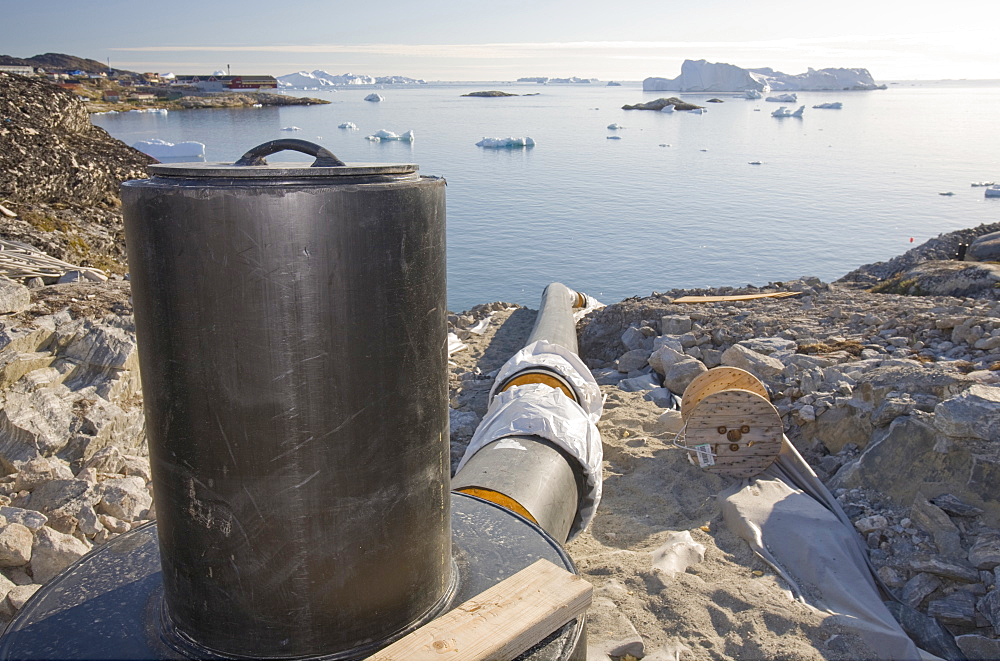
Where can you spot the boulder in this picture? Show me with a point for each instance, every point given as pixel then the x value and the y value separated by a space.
pixel 985 248
pixel 958 608
pixel 34 424
pixel 14 297
pixel 124 498
pixel 15 364
pixel 15 545
pixel 764 367
pixel 936 522
pixel 838 426
pixel 675 324
pixel 985 552
pixel 989 607
pixel 633 360
pixel 32 519
pixel 979 648
pixel 18 596
pixel 678 375
pixel 952 569
pixel 906 376
pixel 975 413
pixel 52 552
pixel 952 278
pixel 62 498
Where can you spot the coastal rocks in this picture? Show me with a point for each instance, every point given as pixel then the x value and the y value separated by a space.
pixel 763 366
pixel 489 93
pixel 657 105
pixel 14 297
pixel 975 413
pixel 985 248
pixel 245 100
pixel 15 545
pixel 945 277
pixel 53 551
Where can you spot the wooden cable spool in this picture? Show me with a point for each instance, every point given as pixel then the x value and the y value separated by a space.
pixel 718 379
pixel 727 410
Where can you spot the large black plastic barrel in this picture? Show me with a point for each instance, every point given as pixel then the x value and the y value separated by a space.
pixel 292 341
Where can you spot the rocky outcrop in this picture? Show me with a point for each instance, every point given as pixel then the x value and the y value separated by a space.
pixel 656 105
pixel 59 175
pixel 224 101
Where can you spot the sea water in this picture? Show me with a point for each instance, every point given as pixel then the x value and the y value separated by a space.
pixel 673 203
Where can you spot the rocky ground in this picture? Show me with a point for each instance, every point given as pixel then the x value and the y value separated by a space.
pixel 891 395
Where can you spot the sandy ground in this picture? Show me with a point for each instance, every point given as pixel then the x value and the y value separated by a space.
pixel 730 606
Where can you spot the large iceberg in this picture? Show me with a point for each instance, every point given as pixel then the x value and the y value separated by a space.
pixel 509 142
pixel 322 79
pixel 161 149
pixel 388 135
pixel 702 76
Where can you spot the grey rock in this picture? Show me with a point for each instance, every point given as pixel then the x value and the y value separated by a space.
pixel 632 360
pixel 37 471
pixel 838 426
pixel 15 545
pixel 919 587
pixel 675 324
pixel 764 367
pixel 138 466
pixel 985 248
pixel 5 586
pixel 769 345
pixel 979 648
pixel 951 569
pixel 19 595
pixel 14 297
pixel 890 409
pixel 108 343
pixel 87 521
pixel 52 552
pixel 927 633
pixel 954 506
pixel 33 424
pixel 891 577
pixel 975 413
pixel 664 356
pixel 958 608
pixel 635 339
pixel 989 607
pixel 867 525
pixel 463 426
pixel 62 498
pixel 640 384
pixel 32 519
pixel 938 524
pixel 110 459
pixel 124 498
pixel 906 376
pixel 678 375
pixel 15 364
pixel 34 282
pixel 985 552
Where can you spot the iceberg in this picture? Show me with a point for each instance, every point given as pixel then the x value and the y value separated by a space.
pixel 509 142
pixel 669 109
pixel 704 77
pixel 829 105
pixel 615 126
pixel 348 126
pixel 783 112
pixel 790 98
pixel 699 111
pixel 386 135
pixel 291 128
pixel 160 149
pixel 321 79
pixel 374 97
pixel 148 111
pixel 752 94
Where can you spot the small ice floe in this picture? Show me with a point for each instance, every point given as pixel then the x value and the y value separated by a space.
pixel 992 191
pixel 508 142
pixel 669 109
pixel 291 128
pixel 614 137
pixel 983 184
pixel 104 113
pixel 374 97
pixel 615 126
pixel 783 112
pixel 752 94
pixel 829 105
pixel 790 98
pixel 664 145
pixel 698 111
pixel 160 149
pixel 755 162
pixel 348 126
pixel 703 150
pixel 162 112
pixel 947 194
pixel 257 106
pixel 386 135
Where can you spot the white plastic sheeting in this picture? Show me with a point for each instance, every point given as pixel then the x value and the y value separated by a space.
pixel 564 362
pixel 792 522
pixel 543 411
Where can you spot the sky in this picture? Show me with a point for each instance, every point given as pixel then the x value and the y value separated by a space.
pixel 470 40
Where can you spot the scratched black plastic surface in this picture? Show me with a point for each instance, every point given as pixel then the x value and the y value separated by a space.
pixel 108 606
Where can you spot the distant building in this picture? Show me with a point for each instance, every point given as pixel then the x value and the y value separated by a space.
pixel 23 70
pixel 220 83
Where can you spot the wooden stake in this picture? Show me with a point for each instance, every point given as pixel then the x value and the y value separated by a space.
pixel 500 623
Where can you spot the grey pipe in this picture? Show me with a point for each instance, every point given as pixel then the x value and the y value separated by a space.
pixel 528 474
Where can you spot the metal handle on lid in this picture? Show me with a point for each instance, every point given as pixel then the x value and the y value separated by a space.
pixel 255 156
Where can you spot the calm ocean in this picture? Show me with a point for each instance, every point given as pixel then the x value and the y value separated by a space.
pixel 616 218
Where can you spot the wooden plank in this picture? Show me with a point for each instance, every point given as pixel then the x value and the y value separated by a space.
pixel 500 623
pixel 704 299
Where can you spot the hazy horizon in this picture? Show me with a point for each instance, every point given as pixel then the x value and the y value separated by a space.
pixel 447 40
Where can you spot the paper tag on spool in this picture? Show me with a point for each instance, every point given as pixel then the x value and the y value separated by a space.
pixel 705 455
